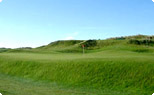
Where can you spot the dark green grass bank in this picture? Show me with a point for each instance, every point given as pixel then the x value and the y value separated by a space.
pixel 19 86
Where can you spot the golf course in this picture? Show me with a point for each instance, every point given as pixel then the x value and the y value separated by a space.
pixel 114 66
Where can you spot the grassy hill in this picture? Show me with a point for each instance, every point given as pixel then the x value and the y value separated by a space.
pixel 76 45
pixel 116 66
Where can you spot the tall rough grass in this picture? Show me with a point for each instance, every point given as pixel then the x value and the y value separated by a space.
pixel 135 73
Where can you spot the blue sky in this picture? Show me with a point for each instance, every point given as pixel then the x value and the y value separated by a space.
pixel 38 22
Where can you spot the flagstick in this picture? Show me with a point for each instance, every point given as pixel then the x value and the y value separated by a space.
pixel 83 49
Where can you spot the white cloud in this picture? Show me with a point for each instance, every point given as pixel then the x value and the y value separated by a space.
pixel 69 38
pixel 0 0
pixel 72 36
pixel 153 0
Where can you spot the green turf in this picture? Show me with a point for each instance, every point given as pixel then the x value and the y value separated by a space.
pixel 19 86
pixel 111 68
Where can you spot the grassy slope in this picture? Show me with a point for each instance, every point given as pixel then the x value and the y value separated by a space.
pixel 19 86
pixel 128 69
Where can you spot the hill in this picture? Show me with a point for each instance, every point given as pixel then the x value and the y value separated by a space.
pixel 138 43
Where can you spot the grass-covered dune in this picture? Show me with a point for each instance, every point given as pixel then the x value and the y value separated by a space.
pixel 111 67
